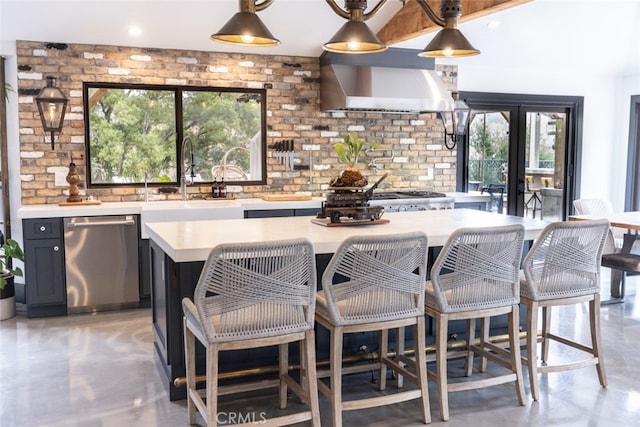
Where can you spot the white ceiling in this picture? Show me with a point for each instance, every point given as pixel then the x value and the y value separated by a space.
pixel 586 36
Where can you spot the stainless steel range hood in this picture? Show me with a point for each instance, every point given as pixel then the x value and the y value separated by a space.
pixel 395 81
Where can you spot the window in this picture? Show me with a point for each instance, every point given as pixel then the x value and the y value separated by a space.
pixel 166 132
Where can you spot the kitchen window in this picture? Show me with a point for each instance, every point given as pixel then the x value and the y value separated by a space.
pixel 136 132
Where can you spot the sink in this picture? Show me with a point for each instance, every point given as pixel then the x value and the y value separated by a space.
pixel 191 210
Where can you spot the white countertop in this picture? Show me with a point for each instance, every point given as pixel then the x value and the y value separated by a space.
pixel 186 241
pixel 132 208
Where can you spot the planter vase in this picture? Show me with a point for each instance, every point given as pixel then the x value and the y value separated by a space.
pixel 7 301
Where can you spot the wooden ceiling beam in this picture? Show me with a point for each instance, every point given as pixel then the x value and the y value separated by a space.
pixel 411 21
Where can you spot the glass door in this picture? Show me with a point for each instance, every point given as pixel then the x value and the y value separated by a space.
pixel 488 168
pixel 522 150
pixel 545 148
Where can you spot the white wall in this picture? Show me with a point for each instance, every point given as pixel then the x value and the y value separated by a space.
pixel 605 129
pixel 8 51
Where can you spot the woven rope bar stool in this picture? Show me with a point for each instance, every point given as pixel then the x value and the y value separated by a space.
pixel 620 252
pixel 476 277
pixel 249 296
pixel 375 284
pixel 563 268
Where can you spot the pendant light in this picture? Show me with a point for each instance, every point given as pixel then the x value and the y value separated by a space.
pixel 449 42
pixel 455 121
pixel 355 36
pixel 51 106
pixel 245 27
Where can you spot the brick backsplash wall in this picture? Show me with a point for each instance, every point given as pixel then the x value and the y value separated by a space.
pixel 415 142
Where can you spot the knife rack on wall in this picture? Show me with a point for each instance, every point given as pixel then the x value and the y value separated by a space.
pixel 285 154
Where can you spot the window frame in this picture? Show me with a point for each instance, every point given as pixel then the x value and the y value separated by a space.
pixel 179 126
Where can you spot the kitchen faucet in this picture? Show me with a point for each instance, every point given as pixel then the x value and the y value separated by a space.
pixel 191 168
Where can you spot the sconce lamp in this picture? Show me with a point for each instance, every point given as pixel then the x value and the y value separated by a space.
pixel 51 106
pixel 245 27
pixel 449 42
pixel 355 36
pixel 455 121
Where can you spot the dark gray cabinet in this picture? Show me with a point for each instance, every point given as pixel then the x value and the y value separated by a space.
pixel 272 213
pixel 45 290
pixel 144 257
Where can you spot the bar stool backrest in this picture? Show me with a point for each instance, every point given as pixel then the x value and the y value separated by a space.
pixel 377 278
pixel 593 206
pixel 565 260
pixel 257 290
pixel 478 269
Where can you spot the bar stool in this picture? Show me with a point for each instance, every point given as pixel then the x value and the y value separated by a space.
pixel 254 295
pixel 563 268
pixel 375 283
pixel 620 253
pixel 534 203
pixel 476 277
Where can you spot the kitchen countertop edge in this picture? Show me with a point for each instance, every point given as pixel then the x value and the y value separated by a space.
pixel 133 208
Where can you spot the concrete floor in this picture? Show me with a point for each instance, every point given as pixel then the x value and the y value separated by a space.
pixel 99 370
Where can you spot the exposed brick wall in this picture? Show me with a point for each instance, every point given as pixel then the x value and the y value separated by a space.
pixel 415 141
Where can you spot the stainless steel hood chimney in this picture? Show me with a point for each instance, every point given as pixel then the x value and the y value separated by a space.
pixel 394 81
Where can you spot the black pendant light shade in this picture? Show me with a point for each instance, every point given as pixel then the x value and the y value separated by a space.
pixel 449 42
pixel 246 28
pixel 51 105
pixel 354 37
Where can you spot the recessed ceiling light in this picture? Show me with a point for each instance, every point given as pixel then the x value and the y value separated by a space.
pixel 135 31
pixel 493 24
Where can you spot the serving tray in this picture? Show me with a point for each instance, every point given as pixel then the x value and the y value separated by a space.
pixel 326 222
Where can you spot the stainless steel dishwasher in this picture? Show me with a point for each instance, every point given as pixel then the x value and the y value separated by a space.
pixel 101 255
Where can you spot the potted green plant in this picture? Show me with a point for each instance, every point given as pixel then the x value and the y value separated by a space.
pixel 348 153
pixel 8 252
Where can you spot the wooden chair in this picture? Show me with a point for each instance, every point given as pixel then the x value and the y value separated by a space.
pixel 375 283
pixel 563 268
pixel 254 295
pixel 476 276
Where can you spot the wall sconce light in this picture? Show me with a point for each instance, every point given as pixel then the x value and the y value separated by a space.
pixel 51 105
pixel 449 42
pixel 355 36
pixel 245 27
pixel 455 121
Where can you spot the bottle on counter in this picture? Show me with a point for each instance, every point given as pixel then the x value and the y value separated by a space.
pixel 215 189
pixel 222 189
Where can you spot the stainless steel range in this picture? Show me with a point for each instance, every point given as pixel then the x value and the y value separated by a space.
pixel 411 200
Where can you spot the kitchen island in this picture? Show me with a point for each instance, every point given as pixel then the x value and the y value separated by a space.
pixel 179 249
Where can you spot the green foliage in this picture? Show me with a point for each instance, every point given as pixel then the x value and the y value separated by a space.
pixel 10 250
pixel 7 89
pixel 134 130
pixel 349 151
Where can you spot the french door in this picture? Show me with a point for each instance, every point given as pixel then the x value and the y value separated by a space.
pixel 522 149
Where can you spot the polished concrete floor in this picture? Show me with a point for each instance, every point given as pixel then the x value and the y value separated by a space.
pixel 99 370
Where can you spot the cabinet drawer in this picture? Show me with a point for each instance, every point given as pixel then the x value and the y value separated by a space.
pixel 42 228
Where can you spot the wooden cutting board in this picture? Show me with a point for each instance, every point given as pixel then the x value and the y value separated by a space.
pixel 284 197
pixel 82 203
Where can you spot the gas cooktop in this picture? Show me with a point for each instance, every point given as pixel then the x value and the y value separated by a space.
pixel 409 194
